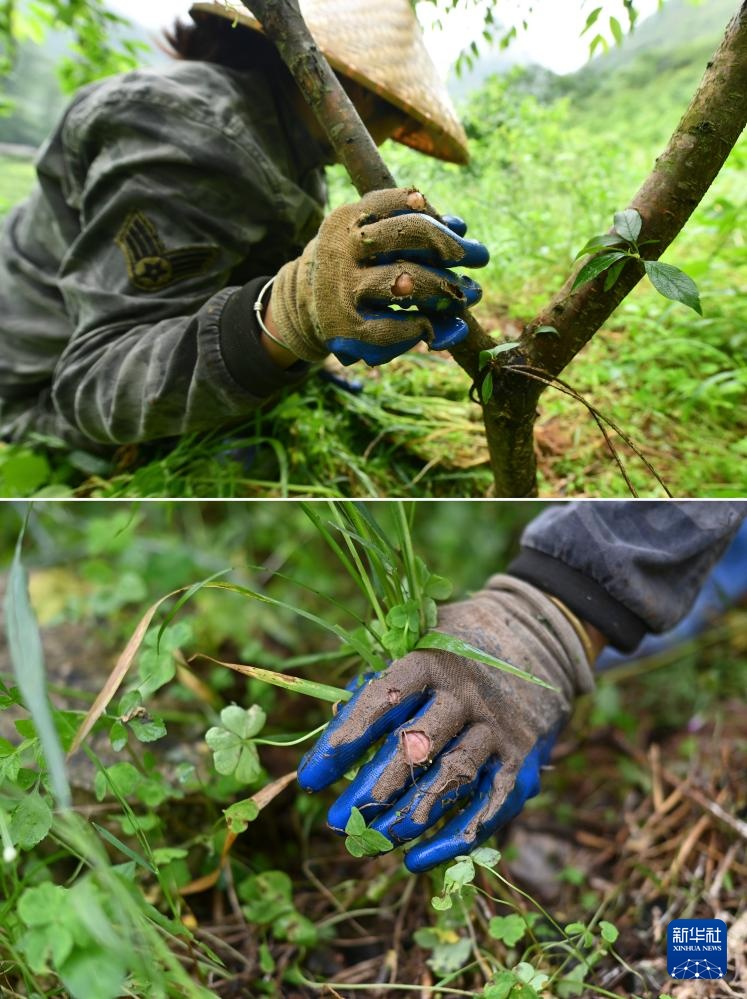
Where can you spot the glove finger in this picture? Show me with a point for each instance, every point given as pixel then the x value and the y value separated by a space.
pixel 434 289
pixel 420 238
pixel 393 201
pixel 448 331
pixel 456 224
pixel 441 332
pixel 501 794
pixel 348 351
pixel 453 777
pixel 370 713
pixel 406 752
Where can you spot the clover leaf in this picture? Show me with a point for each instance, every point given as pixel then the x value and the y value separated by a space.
pixel 362 841
pixel 234 754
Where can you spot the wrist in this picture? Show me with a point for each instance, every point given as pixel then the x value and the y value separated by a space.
pixel 272 340
pixel 270 337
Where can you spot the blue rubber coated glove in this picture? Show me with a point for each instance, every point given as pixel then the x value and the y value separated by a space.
pixel 461 740
pixel 377 280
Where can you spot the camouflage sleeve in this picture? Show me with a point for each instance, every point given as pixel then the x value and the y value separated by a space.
pixel 627 567
pixel 170 205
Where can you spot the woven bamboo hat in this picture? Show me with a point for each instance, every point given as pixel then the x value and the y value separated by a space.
pixel 380 46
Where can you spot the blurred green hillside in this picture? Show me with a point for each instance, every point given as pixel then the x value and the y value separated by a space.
pixel 685 29
pixel 33 87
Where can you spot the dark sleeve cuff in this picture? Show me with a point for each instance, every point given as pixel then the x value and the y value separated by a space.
pixel 247 361
pixel 584 596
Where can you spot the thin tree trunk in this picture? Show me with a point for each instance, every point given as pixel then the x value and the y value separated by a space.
pixel 680 179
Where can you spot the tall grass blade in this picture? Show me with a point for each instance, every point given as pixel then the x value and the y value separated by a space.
pixel 27 659
pixel 322 691
pixel 449 643
pixel 117 675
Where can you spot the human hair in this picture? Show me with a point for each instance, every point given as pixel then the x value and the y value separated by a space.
pixel 209 38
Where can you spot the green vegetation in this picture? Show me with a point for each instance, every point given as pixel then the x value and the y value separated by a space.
pixel 16 180
pixel 189 864
pixel 553 160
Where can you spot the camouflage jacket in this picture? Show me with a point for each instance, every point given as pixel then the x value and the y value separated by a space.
pixel 629 568
pixel 164 200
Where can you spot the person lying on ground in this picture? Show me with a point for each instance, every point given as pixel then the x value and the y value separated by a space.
pixel 467 742
pixel 173 269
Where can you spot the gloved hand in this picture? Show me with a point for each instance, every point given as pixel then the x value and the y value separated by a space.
pixel 457 731
pixel 336 296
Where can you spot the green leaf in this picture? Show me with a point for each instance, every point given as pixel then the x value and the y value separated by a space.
pixel 546 331
pixel 267 897
pixel 501 986
pixel 245 722
pixel 459 874
pixel 93 974
pixel 42 943
pixel 613 274
pixel 118 736
pixel 592 19
pixel 509 929
pixel 129 702
pixel 609 932
pixel 486 356
pixel 266 960
pixel 438 588
pixel 628 224
pixel 450 951
pixel 356 823
pixel 165 854
pixel 486 856
pixel 364 842
pixel 602 242
pixel 121 779
pixel 147 729
pixel 450 643
pixel 529 974
pixel 596 266
pixel 240 814
pixel 441 902
pixel 44 904
pixel 156 668
pixel 673 283
pixel 296 928
pixel 27 659
pixel 598 41
pixel 573 929
pixel 233 752
pixel 397 643
pixel 23 473
pixel 617 31
pixel 486 389
pixel 31 821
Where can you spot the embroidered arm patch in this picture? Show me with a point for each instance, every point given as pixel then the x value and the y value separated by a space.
pixel 150 265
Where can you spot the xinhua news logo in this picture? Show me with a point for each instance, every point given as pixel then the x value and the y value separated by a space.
pixel 696 948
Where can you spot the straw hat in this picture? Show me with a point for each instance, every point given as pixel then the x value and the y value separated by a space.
pixel 380 46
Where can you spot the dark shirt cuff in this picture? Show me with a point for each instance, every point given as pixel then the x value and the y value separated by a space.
pixel 247 361
pixel 584 596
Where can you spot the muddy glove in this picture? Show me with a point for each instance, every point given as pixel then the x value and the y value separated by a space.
pixel 337 296
pixel 460 737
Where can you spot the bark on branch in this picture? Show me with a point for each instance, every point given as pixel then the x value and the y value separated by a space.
pixel 680 179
